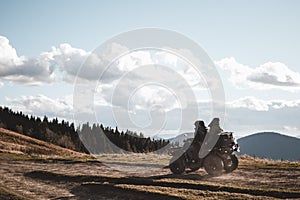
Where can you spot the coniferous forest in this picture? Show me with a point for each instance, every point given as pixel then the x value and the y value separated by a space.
pixel 96 137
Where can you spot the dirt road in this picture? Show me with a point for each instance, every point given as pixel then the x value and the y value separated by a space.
pixel 62 179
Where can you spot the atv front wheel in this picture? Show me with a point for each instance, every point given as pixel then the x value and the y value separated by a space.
pixel 231 163
pixel 178 166
pixel 213 165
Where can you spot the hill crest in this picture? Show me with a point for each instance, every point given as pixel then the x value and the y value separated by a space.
pixel 12 142
pixel 271 145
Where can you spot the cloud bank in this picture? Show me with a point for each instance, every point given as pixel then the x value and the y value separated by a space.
pixel 253 103
pixel 244 116
pixel 22 69
pixel 42 105
pixel 150 102
pixel 64 62
pixel 49 66
pixel 270 75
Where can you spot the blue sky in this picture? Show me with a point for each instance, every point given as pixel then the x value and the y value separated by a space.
pixel 255 31
pixel 252 33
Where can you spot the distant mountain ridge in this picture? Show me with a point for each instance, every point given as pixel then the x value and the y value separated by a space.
pixel 271 145
pixel 181 138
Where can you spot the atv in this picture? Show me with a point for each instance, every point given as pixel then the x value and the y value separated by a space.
pixel 220 157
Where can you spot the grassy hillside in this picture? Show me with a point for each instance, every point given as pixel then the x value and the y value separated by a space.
pixel 271 145
pixel 12 142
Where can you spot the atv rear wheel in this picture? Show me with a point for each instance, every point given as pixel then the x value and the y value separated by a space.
pixel 178 166
pixel 231 163
pixel 213 165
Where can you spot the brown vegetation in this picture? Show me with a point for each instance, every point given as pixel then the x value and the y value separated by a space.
pixel 52 172
pixel 20 144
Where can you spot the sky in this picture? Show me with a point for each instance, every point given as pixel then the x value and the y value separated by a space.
pixel 254 45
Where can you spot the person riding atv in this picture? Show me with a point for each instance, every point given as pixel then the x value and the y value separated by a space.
pixel 194 146
pixel 211 148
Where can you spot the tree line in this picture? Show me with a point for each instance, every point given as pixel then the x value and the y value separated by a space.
pixel 114 141
pixel 87 138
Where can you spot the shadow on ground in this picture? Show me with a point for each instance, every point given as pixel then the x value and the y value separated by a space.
pixel 100 187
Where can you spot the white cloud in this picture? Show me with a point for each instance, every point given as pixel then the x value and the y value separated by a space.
pixel 277 74
pixel 149 96
pixel 68 58
pixel 141 68
pixel 8 53
pixel 291 128
pixel 65 58
pixel 243 116
pixel 256 104
pixel 42 105
pixel 85 65
pixel 269 75
pixel 251 115
pixel 65 62
pixel 135 59
pixel 41 69
pixel 251 103
pixel 22 69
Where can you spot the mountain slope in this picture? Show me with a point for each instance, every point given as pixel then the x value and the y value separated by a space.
pixel 13 142
pixel 181 138
pixel 271 145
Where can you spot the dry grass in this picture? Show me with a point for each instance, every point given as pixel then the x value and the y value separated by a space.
pixel 163 160
pixel 40 163
pixel 11 142
pixel 135 158
pixel 245 160
pixel 190 194
pixel 7 194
